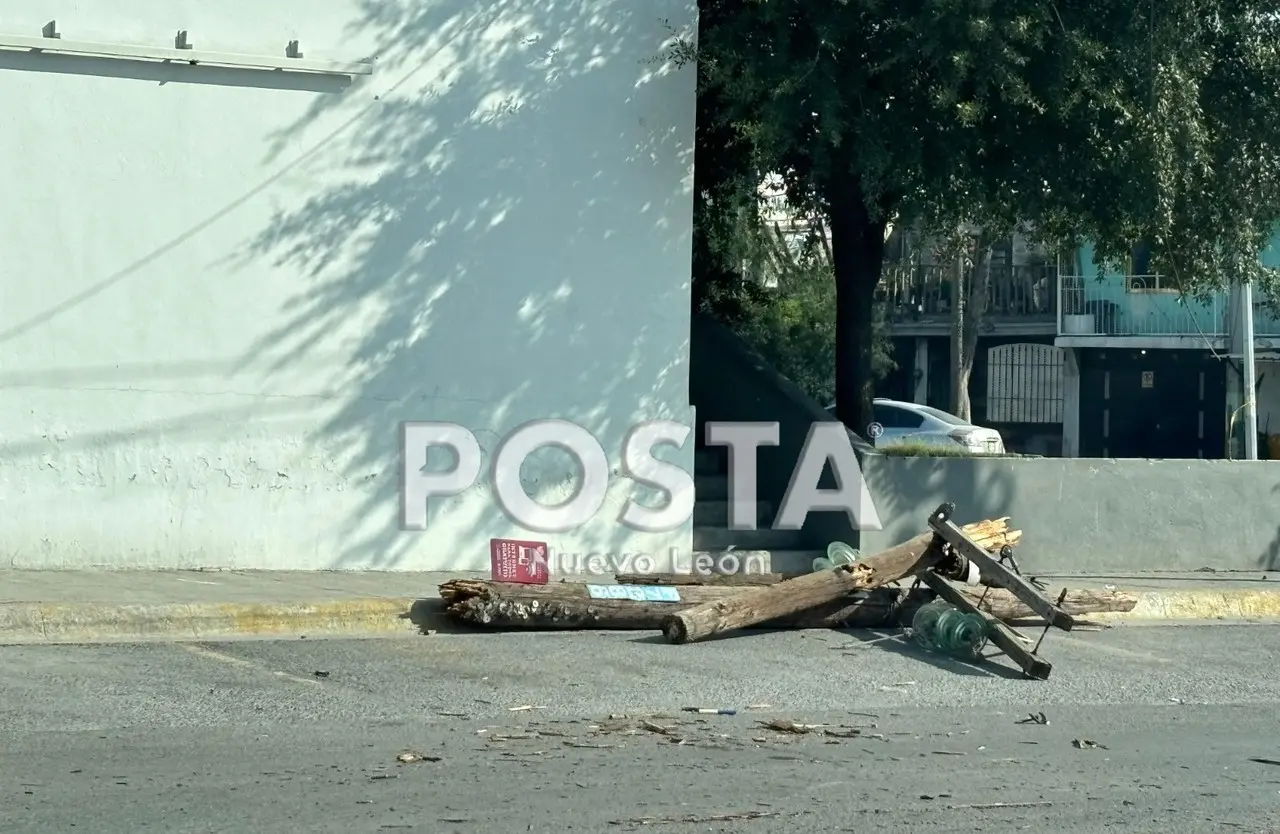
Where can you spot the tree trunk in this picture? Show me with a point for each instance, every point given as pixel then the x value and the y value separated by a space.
pixel 959 380
pixel 969 316
pixel 857 257
pixel 565 606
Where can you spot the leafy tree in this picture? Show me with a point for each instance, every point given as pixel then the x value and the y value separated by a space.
pixel 725 185
pixel 775 291
pixel 792 319
pixel 1112 120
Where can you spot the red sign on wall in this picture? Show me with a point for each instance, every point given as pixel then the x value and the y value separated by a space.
pixel 517 561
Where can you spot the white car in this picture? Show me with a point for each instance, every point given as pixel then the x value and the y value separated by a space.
pixel 899 422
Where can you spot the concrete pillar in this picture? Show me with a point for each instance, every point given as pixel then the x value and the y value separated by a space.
pixel 1070 403
pixel 921 393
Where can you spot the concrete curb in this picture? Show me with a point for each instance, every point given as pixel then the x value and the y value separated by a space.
pixel 27 623
pixel 33 623
pixel 1200 604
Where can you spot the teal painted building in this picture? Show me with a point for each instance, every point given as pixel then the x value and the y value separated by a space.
pixel 1150 373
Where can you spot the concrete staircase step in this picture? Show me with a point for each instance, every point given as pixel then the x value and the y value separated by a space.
pixel 710 461
pixel 720 538
pixel 793 561
pixel 715 513
pixel 711 487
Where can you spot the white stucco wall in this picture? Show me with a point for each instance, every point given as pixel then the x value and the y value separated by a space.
pixel 221 291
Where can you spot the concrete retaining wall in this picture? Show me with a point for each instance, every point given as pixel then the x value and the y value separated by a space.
pixel 1094 515
pixel 224 289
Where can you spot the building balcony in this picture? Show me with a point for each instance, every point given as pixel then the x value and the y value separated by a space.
pixel 918 299
pixel 1141 306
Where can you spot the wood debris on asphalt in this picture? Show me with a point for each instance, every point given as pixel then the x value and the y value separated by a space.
pixel 783 725
pixel 696 818
pixel 410 757
pixel 970 568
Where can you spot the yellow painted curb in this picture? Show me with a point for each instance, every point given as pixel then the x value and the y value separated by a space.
pixel 64 623
pixel 1200 604
pixel 29 623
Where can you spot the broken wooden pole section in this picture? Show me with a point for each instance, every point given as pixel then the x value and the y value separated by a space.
pixel 761 604
pixel 567 606
pixel 558 606
pixel 764 603
pixel 999 602
pixel 512 611
pixel 722 580
pixel 992 534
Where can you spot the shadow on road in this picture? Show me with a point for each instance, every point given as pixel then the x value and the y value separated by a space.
pixel 897 642
pixel 1270 559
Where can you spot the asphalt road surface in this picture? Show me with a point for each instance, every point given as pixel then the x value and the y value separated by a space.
pixel 1150 729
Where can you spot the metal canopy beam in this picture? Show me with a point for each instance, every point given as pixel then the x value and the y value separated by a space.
pixel 129 52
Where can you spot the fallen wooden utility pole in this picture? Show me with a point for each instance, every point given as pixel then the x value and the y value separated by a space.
pixel 721 580
pixel 753 606
pixel 993 534
pixel 460 590
pixel 566 606
pixel 998 602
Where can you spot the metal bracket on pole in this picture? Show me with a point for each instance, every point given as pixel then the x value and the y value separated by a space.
pixel 942 525
pixel 967 551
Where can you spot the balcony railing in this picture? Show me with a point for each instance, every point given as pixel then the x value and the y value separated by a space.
pixel 1135 305
pixel 1139 305
pixel 923 293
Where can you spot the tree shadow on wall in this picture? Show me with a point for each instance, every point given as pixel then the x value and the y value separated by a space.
pixel 907 490
pixel 469 230
pixel 1270 559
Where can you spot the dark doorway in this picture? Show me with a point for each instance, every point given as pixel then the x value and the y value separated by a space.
pixel 1152 404
pixel 900 383
pixel 938 388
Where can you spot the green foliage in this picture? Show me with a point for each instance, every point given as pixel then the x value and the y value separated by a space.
pixel 793 327
pixel 933 450
pixel 784 304
pixel 1102 119
pixel 1109 120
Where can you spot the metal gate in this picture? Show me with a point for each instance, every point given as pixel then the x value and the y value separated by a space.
pixel 1152 404
pixel 1024 383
